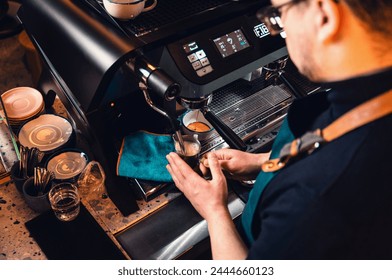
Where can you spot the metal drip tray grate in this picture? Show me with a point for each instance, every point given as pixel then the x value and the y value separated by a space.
pixel 246 110
pixel 235 92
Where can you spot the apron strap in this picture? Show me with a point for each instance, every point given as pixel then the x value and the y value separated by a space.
pixel 361 115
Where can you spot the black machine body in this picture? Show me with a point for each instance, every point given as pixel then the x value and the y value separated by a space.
pixel 208 55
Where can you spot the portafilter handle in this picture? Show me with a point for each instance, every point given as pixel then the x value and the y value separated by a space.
pixel 232 139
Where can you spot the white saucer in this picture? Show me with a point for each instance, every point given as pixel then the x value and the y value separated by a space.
pixel 67 165
pixel 22 102
pixel 47 132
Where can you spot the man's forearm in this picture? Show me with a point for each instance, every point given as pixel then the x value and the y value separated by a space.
pixel 226 243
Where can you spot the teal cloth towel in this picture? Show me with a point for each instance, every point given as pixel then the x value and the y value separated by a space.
pixel 143 156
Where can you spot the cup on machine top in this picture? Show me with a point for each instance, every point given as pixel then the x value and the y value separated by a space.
pixel 127 9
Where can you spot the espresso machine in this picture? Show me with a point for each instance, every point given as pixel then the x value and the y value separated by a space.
pixel 116 77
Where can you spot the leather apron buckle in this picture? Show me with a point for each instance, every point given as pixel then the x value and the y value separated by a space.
pixel 306 144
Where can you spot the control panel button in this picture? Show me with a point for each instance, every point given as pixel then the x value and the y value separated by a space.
pixel 204 61
pixel 204 71
pixel 200 54
pixel 192 57
pixel 209 68
pixel 196 65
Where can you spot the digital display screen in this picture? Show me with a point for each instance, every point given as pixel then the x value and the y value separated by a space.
pixel 231 43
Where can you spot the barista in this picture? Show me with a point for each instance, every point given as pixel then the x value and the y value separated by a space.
pixel 332 203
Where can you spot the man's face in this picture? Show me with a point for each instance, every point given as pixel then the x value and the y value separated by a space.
pixel 300 38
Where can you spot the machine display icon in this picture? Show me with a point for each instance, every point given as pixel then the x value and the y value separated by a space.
pixel 261 30
pixel 190 47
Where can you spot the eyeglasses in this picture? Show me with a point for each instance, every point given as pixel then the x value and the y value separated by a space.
pixel 271 17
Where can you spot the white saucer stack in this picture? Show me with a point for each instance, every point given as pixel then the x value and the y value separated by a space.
pixel 22 104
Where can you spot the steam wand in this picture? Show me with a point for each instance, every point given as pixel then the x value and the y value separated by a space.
pixel 173 122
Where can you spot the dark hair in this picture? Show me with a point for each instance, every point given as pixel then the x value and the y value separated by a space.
pixel 375 14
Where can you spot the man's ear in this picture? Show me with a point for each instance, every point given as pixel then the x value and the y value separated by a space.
pixel 328 20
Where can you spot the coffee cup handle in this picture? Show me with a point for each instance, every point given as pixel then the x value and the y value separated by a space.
pixel 152 6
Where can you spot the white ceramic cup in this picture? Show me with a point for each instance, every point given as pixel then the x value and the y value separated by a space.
pixel 194 122
pixel 127 9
